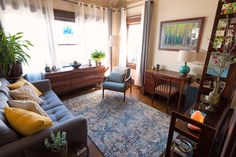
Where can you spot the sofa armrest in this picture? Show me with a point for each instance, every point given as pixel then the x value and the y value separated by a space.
pixel 33 145
pixel 42 85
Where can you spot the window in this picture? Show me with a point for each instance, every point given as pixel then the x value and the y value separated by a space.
pixel 134 33
pixel 77 40
pixel 66 37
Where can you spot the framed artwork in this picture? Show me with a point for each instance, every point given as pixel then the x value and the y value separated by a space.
pixel 183 34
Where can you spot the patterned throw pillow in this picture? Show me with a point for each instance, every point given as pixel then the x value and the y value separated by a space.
pixel 25 93
pixel 20 83
pixel 28 105
pixel 26 122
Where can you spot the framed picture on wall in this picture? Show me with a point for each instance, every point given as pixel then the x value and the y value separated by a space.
pixel 182 34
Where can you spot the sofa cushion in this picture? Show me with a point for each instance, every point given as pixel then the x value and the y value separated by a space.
pixel 3 88
pixel 7 135
pixel 54 107
pixel 25 93
pixel 28 105
pixel 3 103
pixel 26 122
pixel 20 83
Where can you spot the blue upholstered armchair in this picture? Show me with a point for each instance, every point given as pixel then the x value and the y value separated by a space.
pixel 119 80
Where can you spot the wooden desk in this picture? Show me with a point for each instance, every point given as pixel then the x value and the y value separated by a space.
pixel 176 78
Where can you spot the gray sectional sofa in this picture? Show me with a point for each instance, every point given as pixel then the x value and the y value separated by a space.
pixel 14 145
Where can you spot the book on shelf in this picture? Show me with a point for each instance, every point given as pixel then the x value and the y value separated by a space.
pixel 80 150
pixel 183 146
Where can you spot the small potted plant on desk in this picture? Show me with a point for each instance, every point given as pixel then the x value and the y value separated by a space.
pixel 98 56
pixel 57 143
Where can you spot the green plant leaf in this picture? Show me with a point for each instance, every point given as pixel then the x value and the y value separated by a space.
pixel 12 50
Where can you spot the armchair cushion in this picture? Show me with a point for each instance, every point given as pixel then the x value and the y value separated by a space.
pixel 122 70
pixel 116 77
pixel 114 86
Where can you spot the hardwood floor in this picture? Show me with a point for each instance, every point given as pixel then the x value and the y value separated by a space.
pixel 159 104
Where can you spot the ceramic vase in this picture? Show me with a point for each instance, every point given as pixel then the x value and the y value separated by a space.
pixel 214 97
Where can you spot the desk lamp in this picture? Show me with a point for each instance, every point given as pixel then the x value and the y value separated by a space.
pixel 186 56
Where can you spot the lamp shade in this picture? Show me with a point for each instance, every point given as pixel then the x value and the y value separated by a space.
pixel 114 41
pixel 187 56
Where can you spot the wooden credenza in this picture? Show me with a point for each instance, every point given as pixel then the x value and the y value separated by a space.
pixel 68 79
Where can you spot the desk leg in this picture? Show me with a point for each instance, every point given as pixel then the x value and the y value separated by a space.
pixel 181 88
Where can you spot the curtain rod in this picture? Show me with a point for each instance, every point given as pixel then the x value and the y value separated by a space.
pixel 135 6
pixel 69 1
pixel 85 4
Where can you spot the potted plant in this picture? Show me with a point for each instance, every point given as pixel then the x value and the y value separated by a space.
pixel 13 53
pixel 57 143
pixel 98 56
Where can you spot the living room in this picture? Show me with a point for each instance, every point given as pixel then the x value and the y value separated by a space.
pixel 117 78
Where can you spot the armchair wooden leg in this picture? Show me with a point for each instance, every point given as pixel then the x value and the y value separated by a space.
pixel 130 88
pixel 103 93
pixel 124 95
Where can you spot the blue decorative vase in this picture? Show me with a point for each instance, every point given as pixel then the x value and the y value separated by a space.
pixel 184 69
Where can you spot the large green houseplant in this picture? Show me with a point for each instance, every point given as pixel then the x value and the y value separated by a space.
pixel 13 53
pixel 97 56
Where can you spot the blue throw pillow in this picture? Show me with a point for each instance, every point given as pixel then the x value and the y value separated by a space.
pixel 116 77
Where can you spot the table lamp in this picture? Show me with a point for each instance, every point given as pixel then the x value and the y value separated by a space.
pixel 186 56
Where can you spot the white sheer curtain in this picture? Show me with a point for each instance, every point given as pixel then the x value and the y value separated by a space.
pixel 138 80
pixel 123 35
pixel 35 19
pixel 93 30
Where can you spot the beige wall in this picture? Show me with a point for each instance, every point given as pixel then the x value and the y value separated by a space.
pixel 179 9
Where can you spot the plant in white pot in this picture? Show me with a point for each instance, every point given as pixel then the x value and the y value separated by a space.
pixel 97 56
pixel 13 53
pixel 57 143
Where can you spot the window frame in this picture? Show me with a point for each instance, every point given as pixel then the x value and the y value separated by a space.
pixel 132 20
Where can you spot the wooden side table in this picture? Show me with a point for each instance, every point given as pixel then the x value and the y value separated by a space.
pixel 206 138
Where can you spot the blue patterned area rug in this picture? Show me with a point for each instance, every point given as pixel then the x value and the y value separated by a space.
pixel 131 129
